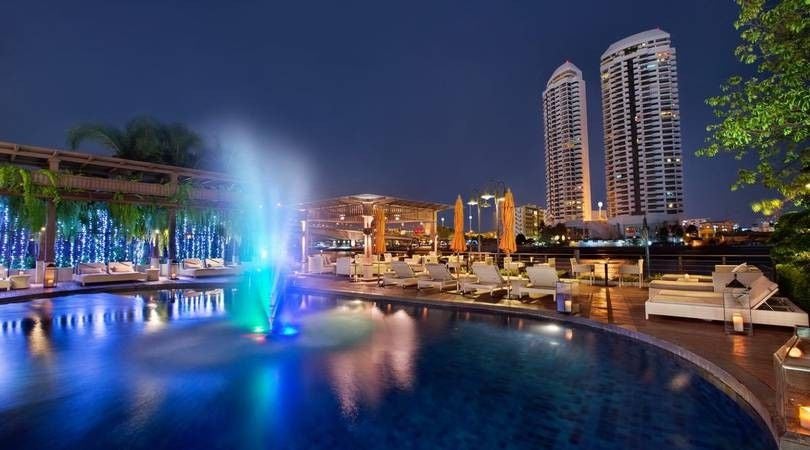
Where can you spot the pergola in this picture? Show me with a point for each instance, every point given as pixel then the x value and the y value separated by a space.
pixel 89 177
pixel 355 212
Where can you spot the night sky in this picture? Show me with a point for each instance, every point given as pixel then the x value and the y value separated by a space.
pixel 424 100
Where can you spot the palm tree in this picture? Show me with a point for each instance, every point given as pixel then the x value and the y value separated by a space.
pixel 143 139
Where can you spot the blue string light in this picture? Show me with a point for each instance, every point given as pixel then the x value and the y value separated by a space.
pixel 99 240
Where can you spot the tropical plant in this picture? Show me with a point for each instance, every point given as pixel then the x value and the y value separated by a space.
pixel 143 139
pixel 769 113
pixel 27 200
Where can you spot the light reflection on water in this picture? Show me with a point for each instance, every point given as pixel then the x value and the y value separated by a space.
pixel 105 371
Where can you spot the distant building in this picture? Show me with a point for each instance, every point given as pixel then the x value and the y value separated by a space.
pixel 642 131
pixel 528 219
pixel 565 122
pixel 709 229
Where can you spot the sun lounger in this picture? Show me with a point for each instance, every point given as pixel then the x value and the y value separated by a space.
pixel 439 277
pixel 489 280
pixel 542 281
pixel 708 305
pixel 403 275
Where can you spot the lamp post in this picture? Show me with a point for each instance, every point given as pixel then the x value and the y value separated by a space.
pixel 599 204
pixel 496 189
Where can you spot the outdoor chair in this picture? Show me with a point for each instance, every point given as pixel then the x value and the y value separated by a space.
pixel 578 269
pixel 403 276
pixel 439 277
pixel 489 280
pixel 345 266
pixel 317 264
pixel 542 281
pixel 634 270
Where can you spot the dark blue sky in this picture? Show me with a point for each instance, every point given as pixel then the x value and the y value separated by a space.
pixel 418 99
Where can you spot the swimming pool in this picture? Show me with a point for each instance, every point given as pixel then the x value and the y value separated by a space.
pixel 165 369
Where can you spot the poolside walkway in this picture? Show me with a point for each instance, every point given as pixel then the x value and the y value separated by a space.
pixel 748 359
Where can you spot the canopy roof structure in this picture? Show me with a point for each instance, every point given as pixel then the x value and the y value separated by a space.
pixel 351 213
pixel 85 176
pixel 351 209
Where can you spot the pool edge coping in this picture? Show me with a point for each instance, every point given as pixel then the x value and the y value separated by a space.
pixel 704 365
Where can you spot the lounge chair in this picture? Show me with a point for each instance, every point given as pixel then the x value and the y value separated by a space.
pixel 709 305
pixel 489 280
pixel 542 281
pixel 403 275
pixel 439 277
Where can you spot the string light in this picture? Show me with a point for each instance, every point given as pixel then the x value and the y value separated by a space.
pixel 99 240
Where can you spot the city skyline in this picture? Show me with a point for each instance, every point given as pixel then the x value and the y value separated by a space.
pixel 452 96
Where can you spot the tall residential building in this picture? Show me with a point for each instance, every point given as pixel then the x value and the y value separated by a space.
pixel 565 122
pixel 641 117
pixel 528 219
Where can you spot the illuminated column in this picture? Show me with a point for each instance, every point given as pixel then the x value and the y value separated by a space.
pixel 48 239
pixel 304 243
pixel 367 237
pixel 173 222
pixel 435 233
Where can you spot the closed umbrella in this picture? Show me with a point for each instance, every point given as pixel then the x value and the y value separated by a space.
pixel 507 243
pixel 458 244
pixel 379 231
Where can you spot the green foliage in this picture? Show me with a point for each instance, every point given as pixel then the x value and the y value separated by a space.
pixel 127 216
pixel 791 252
pixel 769 113
pixel 27 201
pixel 143 139
pixel 71 216
pixel 795 283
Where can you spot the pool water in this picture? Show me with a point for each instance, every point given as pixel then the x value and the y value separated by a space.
pixel 166 370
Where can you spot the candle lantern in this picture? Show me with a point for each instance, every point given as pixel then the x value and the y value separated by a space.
pixel 564 297
pixel 737 308
pixel 174 269
pixel 792 364
pixel 50 276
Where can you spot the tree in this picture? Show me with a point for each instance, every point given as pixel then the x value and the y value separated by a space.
pixel 520 239
pixel 691 230
pixel 769 113
pixel 663 232
pixel 143 139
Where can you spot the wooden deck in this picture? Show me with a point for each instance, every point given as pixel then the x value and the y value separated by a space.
pixel 748 359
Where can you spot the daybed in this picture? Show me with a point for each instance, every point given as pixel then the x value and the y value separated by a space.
pixel 212 267
pixel 91 273
pixel 708 305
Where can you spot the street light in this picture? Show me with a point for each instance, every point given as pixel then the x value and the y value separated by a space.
pixel 599 204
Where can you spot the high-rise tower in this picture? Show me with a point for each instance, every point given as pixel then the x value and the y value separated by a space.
pixel 565 122
pixel 641 118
